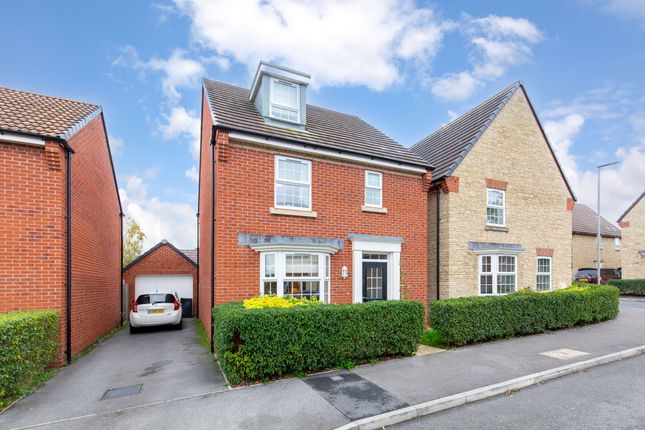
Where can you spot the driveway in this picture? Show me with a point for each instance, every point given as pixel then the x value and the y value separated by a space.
pixel 169 364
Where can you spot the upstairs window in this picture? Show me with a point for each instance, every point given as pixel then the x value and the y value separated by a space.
pixel 373 189
pixel 617 243
pixel 496 208
pixel 292 183
pixel 543 273
pixel 285 100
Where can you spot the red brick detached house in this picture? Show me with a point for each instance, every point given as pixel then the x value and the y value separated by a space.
pixel 299 200
pixel 60 215
pixel 163 267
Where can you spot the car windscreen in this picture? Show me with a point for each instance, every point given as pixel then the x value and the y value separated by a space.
pixel 153 298
pixel 586 272
pixel 609 272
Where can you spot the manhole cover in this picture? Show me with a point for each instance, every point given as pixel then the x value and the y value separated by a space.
pixel 121 392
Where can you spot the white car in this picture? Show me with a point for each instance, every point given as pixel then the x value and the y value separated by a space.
pixel 154 309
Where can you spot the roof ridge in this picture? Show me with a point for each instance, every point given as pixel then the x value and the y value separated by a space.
pixel 50 96
pixel 634 203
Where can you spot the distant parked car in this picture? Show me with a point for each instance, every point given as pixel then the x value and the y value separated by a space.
pixel 155 309
pixel 590 275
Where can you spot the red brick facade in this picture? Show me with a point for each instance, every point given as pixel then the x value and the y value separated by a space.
pixel 164 260
pixel 33 233
pixel 244 193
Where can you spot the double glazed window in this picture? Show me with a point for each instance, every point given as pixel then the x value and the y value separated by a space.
pixel 543 273
pixel 495 207
pixel 296 274
pixel 373 189
pixel 497 274
pixel 292 183
pixel 285 100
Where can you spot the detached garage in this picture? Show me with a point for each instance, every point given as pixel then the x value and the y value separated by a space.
pixel 164 268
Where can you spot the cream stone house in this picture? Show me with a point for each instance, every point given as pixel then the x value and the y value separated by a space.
pixel 499 216
pixel 633 242
pixel 584 252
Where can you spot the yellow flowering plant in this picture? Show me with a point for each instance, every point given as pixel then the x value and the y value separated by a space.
pixel 271 302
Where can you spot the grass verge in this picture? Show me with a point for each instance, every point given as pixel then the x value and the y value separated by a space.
pixel 433 338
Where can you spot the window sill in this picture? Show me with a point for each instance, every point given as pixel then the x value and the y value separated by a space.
pixel 373 209
pixel 496 228
pixel 293 212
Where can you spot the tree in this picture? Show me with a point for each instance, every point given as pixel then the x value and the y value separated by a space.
pixel 132 241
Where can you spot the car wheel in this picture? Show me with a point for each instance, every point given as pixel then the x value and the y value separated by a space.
pixel 133 330
pixel 179 326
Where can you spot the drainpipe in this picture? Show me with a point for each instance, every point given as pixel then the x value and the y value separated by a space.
pixel 438 241
pixel 213 130
pixel 121 265
pixel 197 298
pixel 68 280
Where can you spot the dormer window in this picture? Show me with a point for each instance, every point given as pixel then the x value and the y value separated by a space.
pixel 285 100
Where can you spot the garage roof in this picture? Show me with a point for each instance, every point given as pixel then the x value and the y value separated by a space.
pixel 585 221
pixel 154 248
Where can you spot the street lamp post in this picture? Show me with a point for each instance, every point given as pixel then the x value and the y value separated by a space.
pixel 598 237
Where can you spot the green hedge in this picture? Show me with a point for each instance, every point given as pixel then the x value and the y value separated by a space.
pixel 629 286
pixel 467 320
pixel 28 343
pixel 258 344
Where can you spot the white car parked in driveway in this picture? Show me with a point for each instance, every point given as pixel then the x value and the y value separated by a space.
pixel 154 309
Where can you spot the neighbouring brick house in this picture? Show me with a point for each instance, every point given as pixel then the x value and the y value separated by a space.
pixel 499 209
pixel 163 267
pixel 60 215
pixel 306 201
pixel 633 239
pixel 584 252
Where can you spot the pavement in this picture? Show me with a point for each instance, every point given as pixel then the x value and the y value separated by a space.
pixel 605 397
pixel 194 395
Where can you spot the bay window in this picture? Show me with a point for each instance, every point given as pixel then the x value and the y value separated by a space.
pixel 295 274
pixel 497 274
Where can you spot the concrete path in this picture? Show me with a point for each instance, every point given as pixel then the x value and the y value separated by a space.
pixel 606 397
pixel 311 402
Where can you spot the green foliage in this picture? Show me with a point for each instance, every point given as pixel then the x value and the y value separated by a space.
pixel 28 343
pixel 467 320
pixel 433 338
pixel 132 241
pixel 635 287
pixel 257 344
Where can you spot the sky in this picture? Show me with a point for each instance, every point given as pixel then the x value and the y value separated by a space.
pixel 406 67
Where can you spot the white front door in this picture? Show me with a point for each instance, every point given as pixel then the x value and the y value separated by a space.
pixel 182 284
pixel 380 255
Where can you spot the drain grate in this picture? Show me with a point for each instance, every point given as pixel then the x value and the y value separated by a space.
pixel 121 392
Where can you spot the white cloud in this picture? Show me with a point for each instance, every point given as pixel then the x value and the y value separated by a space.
pixel 116 145
pixel 619 184
pixel 182 123
pixel 629 10
pixel 158 219
pixel 179 71
pixel 192 174
pixel 498 42
pixel 358 42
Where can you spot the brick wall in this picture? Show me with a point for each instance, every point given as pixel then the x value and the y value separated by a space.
pixel 32 229
pixel 162 261
pixel 584 252
pixel 96 238
pixel 633 241
pixel 511 154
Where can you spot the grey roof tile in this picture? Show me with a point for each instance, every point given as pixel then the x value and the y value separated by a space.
pixel 190 253
pixel 585 221
pixel 232 109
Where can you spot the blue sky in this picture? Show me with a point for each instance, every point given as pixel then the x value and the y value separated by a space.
pixel 405 67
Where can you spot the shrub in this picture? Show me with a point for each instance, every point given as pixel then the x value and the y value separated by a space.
pixel 268 302
pixel 467 320
pixel 629 286
pixel 258 344
pixel 28 343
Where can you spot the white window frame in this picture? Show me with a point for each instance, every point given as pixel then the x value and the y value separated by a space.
pixel 549 273
pixel 277 180
pixel 324 272
pixel 617 243
pixel 273 103
pixel 494 267
pixel 502 207
pixel 380 188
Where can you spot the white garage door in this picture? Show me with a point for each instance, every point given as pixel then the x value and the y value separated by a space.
pixel 182 284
